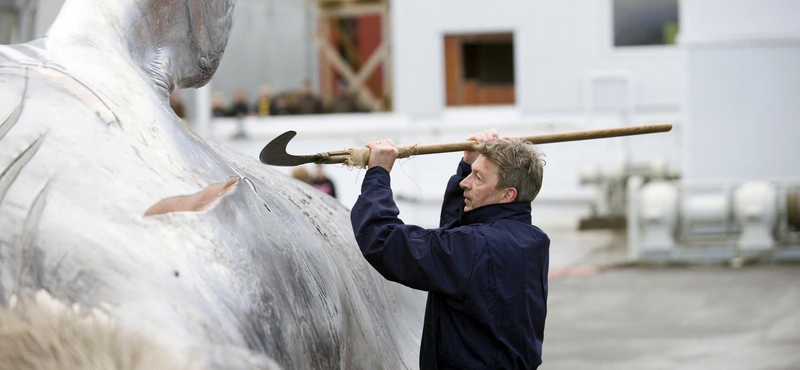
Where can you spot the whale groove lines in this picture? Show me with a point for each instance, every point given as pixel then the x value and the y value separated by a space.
pixel 8 175
pixel 26 276
pixel 13 117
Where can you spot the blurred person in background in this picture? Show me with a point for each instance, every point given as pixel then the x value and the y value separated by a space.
pixel 240 108
pixel 307 102
pixel 323 183
pixel 301 174
pixel 218 105
pixel 485 268
pixel 281 106
pixel 344 101
pixel 176 104
pixel 264 103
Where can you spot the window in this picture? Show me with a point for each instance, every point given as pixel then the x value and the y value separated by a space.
pixel 645 22
pixel 479 69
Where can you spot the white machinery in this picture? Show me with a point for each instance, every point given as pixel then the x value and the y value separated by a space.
pixel 707 221
pixel 610 201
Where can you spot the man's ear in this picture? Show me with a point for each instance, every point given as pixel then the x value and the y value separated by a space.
pixel 509 195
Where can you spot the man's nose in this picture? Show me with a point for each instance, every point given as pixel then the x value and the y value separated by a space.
pixel 463 183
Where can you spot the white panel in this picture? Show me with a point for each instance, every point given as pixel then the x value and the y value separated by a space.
pixel 731 20
pixel 744 120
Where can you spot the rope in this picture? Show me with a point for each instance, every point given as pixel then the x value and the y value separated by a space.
pixel 408 151
pixel 359 157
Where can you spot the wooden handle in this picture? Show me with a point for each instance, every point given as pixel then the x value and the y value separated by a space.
pixel 545 139
pixel 406 151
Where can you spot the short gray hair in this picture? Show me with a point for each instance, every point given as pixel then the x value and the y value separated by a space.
pixel 519 164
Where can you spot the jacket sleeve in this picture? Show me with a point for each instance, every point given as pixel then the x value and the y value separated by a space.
pixel 453 202
pixel 434 260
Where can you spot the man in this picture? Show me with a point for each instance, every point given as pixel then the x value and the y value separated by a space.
pixel 218 105
pixel 344 101
pixel 307 102
pixel 176 103
pixel 485 267
pixel 240 108
pixel 322 182
pixel 263 105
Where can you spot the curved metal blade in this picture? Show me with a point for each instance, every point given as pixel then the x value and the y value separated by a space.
pixel 275 153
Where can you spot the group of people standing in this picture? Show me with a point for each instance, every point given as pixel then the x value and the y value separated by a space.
pixel 304 101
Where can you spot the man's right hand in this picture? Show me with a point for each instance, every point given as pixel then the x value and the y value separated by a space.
pixel 481 138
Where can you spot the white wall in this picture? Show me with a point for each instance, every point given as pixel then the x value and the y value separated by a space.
pixel 556 44
pixel 270 44
pixel 743 69
pixel 714 21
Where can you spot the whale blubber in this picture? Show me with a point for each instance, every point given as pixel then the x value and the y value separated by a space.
pixel 197 202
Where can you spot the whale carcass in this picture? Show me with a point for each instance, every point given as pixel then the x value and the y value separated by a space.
pixel 234 265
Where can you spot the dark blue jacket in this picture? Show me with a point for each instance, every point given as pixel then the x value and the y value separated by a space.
pixel 485 271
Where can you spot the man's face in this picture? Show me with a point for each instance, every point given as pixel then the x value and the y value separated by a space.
pixel 480 187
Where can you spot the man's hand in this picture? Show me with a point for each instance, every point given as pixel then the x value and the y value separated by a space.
pixel 382 153
pixel 483 137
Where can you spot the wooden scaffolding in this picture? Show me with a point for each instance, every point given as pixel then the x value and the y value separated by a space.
pixel 354 68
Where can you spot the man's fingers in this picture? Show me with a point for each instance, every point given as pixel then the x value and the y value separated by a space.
pixel 484 137
pixel 377 143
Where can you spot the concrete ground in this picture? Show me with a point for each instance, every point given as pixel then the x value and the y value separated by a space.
pixel 700 317
pixel 606 313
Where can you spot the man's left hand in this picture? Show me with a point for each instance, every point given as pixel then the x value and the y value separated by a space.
pixel 382 153
pixel 481 138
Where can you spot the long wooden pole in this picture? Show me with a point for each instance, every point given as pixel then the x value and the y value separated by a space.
pixel 411 150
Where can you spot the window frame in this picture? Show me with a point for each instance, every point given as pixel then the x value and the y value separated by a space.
pixel 608 37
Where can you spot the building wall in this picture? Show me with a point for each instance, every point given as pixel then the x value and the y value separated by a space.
pixel 556 44
pixel 270 43
pixel 743 69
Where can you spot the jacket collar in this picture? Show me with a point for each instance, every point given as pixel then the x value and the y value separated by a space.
pixel 518 211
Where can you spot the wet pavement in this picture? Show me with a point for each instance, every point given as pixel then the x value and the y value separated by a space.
pixel 698 317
